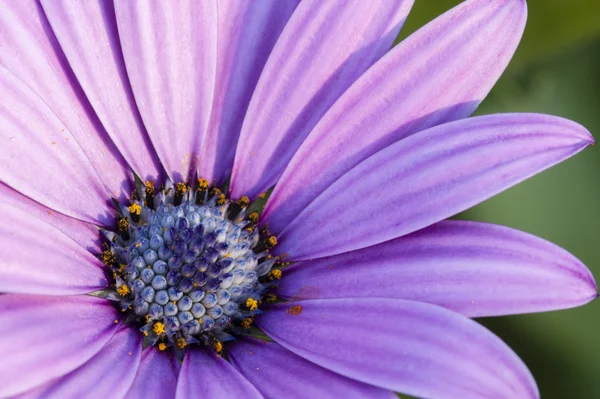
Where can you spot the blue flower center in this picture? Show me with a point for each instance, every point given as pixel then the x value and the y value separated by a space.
pixel 189 265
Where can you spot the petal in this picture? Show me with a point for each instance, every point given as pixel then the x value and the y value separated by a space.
pixel 41 159
pixel 476 269
pixel 47 337
pixel 84 234
pixel 439 74
pixel 31 52
pixel 156 377
pixel 170 53
pixel 278 373
pixel 247 32
pixel 40 259
pixel 323 49
pixel 88 35
pixel 410 347
pixel 428 177
pixel 219 379
pixel 108 374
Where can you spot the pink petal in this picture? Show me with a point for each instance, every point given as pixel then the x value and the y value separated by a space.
pixel 206 375
pixel 84 234
pixel 108 374
pixel 38 258
pixel 41 159
pixel 247 32
pixel 428 177
pixel 156 377
pixel 170 52
pixel 476 269
pixel 439 74
pixel 323 49
pixel 409 347
pixel 48 337
pixel 279 373
pixel 31 52
pixel 87 33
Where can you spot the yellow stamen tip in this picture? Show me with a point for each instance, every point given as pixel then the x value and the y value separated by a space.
pixel 275 274
pixel 218 346
pixel 123 224
pixel 247 322
pixel 181 343
pixel 135 209
pixel 272 241
pixel 253 217
pixel 162 346
pixel 180 188
pixel 123 290
pixel 202 184
pixel 252 304
pixel 159 328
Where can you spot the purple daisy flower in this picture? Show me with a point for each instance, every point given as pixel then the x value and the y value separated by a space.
pixel 138 140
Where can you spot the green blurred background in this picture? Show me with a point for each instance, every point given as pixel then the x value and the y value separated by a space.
pixel 556 70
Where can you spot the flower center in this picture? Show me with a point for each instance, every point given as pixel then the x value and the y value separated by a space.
pixel 189 265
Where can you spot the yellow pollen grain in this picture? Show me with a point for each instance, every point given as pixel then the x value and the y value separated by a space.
pixel 202 184
pixel 251 304
pixel 123 290
pixel 159 328
pixel 116 321
pixel 275 274
pixel 149 187
pixel 218 346
pixel 162 346
pixel 135 209
pixel 138 244
pixel 272 241
pixel 146 333
pixel 244 201
pixel 181 343
pixel 263 195
pixel 294 310
pixel 123 224
pixel 247 322
pixel 221 199
pixel 253 217
pixel 180 188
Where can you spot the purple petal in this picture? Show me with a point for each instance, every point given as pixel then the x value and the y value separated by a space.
pixel 247 32
pixel 439 74
pixel 156 377
pixel 428 177
pixel 410 347
pixel 109 374
pixel 31 52
pixel 38 258
pixel 278 373
pixel 323 49
pixel 206 375
pixel 170 53
pixel 41 159
pixel 476 269
pixel 84 234
pixel 48 337
pixel 87 33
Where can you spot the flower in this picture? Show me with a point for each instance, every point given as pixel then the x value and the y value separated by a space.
pixel 138 140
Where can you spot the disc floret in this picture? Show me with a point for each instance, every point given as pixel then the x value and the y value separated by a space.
pixel 189 264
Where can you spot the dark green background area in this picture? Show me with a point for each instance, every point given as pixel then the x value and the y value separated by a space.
pixel 557 71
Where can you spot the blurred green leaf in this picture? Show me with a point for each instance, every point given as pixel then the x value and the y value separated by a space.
pixel 552 26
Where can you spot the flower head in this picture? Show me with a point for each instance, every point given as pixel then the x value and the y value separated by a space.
pixel 141 140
